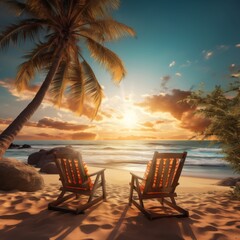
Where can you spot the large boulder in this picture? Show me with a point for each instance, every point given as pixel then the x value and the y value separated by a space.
pixel 49 168
pixel 25 146
pixel 44 159
pixel 17 146
pixel 35 157
pixel 20 176
pixel 230 181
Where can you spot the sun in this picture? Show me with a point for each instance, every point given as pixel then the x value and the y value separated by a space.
pixel 130 119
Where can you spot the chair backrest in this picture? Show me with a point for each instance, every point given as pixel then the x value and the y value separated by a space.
pixel 73 171
pixel 163 172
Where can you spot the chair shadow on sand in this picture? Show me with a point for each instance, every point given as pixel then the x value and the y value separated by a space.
pixel 137 227
pixel 43 225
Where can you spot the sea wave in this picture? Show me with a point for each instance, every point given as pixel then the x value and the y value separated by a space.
pixel 132 155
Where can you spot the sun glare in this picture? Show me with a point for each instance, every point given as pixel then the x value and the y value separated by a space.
pixel 130 119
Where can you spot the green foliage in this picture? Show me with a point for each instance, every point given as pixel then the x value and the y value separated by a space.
pixel 236 191
pixel 222 108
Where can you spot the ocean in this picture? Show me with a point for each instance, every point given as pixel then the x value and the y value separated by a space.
pixel 204 158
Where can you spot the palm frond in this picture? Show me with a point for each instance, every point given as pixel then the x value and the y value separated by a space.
pixel 92 86
pixel 16 6
pixel 111 29
pixel 58 84
pixel 38 59
pixel 43 9
pixel 25 73
pixel 94 9
pixel 101 8
pixel 108 59
pixel 16 32
pixel 77 86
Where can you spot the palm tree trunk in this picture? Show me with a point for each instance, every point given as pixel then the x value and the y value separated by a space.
pixel 8 135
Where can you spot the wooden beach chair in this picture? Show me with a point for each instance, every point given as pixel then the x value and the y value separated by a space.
pixel 77 183
pixel 159 182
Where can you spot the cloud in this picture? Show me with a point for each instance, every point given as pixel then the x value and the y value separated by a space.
pixel 207 54
pixel 193 122
pixel 160 121
pixel 50 123
pixel 223 47
pixel 5 121
pixel 148 124
pixel 178 74
pixel 84 136
pixel 172 64
pixel 167 103
pixel 9 121
pixel 151 125
pixel 218 49
pixel 172 104
pixel 46 136
pixel 147 129
pixel 164 80
pixel 133 137
pixel 186 64
pixel 30 92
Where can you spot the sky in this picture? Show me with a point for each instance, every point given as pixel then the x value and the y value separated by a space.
pixel 180 46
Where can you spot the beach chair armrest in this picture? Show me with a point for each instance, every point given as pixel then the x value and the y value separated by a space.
pixel 136 176
pixel 96 173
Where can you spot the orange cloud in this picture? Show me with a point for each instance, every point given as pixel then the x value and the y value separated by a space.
pixel 46 136
pixel 180 110
pixel 193 122
pixel 160 121
pixel 133 137
pixel 164 80
pixel 167 103
pixel 31 91
pixel 148 124
pixel 84 136
pixel 28 93
pixel 50 123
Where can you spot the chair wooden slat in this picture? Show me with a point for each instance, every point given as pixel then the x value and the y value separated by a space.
pixel 165 173
pixel 160 181
pixel 76 181
pixel 171 173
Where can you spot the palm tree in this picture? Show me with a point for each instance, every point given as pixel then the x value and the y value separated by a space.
pixel 62 27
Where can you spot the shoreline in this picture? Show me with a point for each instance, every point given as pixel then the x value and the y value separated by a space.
pixel 24 215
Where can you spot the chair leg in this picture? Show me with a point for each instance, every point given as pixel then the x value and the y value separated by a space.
pixel 173 200
pixel 104 187
pixel 142 209
pixel 54 205
pixel 161 200
pixel 131 192
pixel 173 204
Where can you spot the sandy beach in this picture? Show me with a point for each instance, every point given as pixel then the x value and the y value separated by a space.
pixel 24 215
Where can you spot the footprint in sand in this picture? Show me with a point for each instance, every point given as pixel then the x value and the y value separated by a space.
pixel 195 216
pixel 208 228
pixel 231 223
pixel 34 198
pixel 17 201
pixel 93 219
pixel 212 210
pixel 107 226
pixel 89 228
pixel 115 212
pixel 219 236
pixel 198 212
